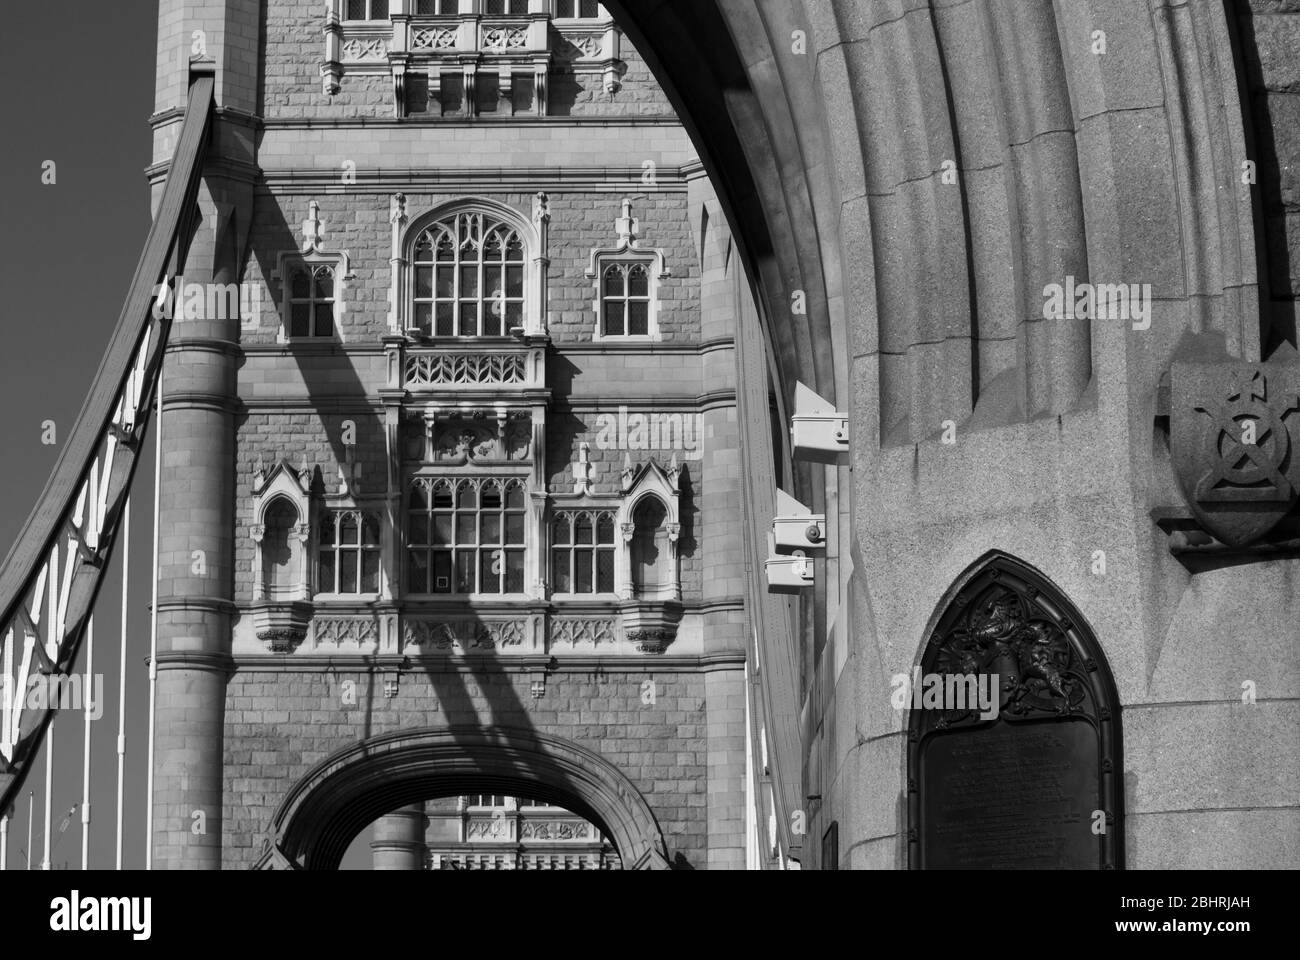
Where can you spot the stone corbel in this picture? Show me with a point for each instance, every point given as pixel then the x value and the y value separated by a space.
pixel 331 68
pixel 434 76
pixel 506 90
pixel 541 87
pixel 398 63
pixel 469 74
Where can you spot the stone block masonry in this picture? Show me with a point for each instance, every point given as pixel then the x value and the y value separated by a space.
pixel 279 723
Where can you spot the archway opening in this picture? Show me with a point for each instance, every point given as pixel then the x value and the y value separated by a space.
pixel 335 802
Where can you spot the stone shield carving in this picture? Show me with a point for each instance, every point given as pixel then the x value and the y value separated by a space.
pixel 1234 430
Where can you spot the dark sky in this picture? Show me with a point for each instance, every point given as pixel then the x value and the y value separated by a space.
pixel 77 81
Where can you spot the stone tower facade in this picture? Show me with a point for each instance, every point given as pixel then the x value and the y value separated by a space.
pixel 467 459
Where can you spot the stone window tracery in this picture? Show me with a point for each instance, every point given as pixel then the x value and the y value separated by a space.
pixel 466 535
pixel 583 552
pixel 348 552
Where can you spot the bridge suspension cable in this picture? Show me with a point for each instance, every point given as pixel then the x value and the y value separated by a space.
pixel 51 578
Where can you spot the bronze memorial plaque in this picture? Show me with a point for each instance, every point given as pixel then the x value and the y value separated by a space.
pixel 1014 753
pixel 1011 795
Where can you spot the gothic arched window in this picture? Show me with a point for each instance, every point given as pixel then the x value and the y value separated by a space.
pixel 469 277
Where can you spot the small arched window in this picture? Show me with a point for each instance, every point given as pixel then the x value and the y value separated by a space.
pixel 279 571
pixel 469 277
pixel 311 300
pixel 625 300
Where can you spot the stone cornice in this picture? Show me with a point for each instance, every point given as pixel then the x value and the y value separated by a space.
pixel 415 665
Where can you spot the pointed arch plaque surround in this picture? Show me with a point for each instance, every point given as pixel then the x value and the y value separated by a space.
pixel 1029 788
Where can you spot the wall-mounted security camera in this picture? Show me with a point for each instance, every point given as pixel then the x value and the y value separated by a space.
pixel 787 574
pixel 796 527
pixel 818 431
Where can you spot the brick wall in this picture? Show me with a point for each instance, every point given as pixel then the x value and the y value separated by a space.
pixel 279 724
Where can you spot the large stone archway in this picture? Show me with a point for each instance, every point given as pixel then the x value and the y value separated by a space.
pixel 349 789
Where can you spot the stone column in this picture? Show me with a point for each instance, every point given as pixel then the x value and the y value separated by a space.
pixel 196 501
pixel 399 839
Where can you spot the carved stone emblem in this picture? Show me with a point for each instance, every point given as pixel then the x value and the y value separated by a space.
pixel 1234 437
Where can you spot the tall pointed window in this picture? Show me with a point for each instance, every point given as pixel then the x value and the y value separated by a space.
pixel 469 277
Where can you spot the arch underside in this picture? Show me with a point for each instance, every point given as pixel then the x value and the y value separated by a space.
pixel 347 791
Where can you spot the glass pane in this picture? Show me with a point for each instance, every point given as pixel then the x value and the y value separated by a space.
pixel 638 282
pixel 418 500
pixel 465 572
pixel 347 571
pixel 468 282
pixel 614 318
pixel 492 281
pixel 496 7
pixel 424 248
pixel 446 7
pixel 348 527
pixel 638 318
pixel 613 282
pixel 442 496
pixel 324 320
pixel 514 495
pixel 356 9
pixel 560 582
pixel 564 8
pixel 514 315
pixel 326 529
pixel 582 563
pixel 465 528
pixel 560 531
pixel 514 249
pixel 446 281
pixel 492 321
pixel 514 281
pixel 300 320
pixel 582 529
pixel 301 286
pixel 514 571
pixel 370 530
pixel 446 326
pixel 490 528
pixel 590 9
pixel 378 9
pixel 423 318
pixel 514 528
pixel 442 528
pixel 468 319
pixel 370 571
pixel 325 572
pixel 490 564
pixel 442 572
pixel 518 7
pixel 605 528
pixel 324 283
pixel 605 571
pixel 466 496
pixel 418 574
pixel 445 248
pixel 423 283
pixel 491 494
